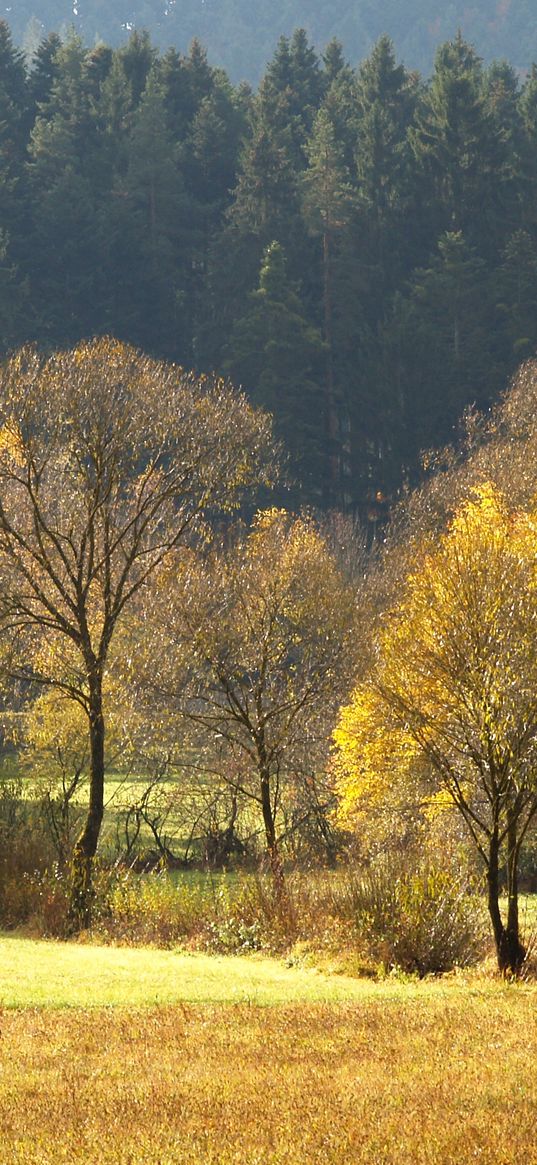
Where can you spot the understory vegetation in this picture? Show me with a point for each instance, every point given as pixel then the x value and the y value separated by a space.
pixel 422 921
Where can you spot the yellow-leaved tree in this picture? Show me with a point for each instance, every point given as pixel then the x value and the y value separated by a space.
pixel 453 689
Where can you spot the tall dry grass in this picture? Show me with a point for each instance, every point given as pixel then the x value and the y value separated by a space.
pixel 428 1082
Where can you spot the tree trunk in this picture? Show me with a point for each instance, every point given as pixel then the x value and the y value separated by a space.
pixel 82 893
pixel 509 950
pixel 276 867
pixel 514 950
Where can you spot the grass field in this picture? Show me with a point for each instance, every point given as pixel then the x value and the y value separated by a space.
pixel 329 1072
pixel 57 975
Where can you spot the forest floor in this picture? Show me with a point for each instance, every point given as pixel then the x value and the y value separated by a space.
pixel 114 1056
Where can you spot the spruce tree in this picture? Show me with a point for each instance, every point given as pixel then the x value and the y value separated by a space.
pixel 327 204
pixel 516 291
pixel 150 256
pixel 460 153
pixel 14 198
pixel 278 357
pixel 452 344
pixel 384 103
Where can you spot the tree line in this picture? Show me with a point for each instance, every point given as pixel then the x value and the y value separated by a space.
pixel 356 247
pixel 380 699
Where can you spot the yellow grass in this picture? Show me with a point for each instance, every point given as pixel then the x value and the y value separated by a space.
pixel 431 1080
pixel 106 1060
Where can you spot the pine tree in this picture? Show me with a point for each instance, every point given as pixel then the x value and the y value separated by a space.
pixel 385 100
pixel 63 259
pixel 459 150
pixel 516 291
pixel 291 91
pixel 137 58
pixel 266 205
pixel 151 232
pixel 44 72
pixel 451 342
pixel 527 174
pixel 14 125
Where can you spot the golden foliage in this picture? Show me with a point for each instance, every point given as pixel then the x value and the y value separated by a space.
pixel 455 674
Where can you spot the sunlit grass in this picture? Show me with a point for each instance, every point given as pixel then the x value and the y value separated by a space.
pixel 54 974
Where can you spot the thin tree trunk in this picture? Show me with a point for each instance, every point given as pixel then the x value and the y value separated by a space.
pixel 493 897
pixel 515 952
pixel 86 846
pixel 276 866
pixel 509 950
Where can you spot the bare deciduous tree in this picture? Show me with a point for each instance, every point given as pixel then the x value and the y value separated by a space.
pixel 108 459
pixel 251 646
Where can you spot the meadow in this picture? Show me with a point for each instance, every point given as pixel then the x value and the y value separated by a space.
pixel 116 1057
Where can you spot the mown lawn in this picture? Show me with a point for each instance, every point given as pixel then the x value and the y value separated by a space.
pixel 390 1073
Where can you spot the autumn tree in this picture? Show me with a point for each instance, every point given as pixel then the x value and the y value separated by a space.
pixel 453 687
pixel 107 460
pixel 250 644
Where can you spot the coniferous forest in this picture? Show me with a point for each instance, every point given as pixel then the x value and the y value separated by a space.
pixel 357 248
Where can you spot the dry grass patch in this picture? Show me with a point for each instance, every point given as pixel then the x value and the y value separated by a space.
pixel 430 1080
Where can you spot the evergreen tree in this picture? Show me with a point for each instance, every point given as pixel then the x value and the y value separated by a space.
pixel 451 344
pixel 278 357
pixel 62 258
pixel 385 100
pixel 151 225
pixel 527 175
pixel 502 99
pixel 459 150
pixel 291 91
pixel 14 122
pixel 44 72
pixel 335 66
pixel 137 58
pixel 516 289
pixel 13 93
pixel 266 205
pixel 327 207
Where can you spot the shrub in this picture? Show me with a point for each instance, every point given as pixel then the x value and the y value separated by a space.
pixel 25 851
pixel 425 920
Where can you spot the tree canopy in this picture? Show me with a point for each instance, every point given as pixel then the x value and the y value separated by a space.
pixel 356 245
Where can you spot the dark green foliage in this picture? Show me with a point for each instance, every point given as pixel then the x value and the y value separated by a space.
pixel 449 340
pixel 278 357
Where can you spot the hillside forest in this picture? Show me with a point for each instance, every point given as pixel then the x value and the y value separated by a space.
pixel 267 497
pixel 357 248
